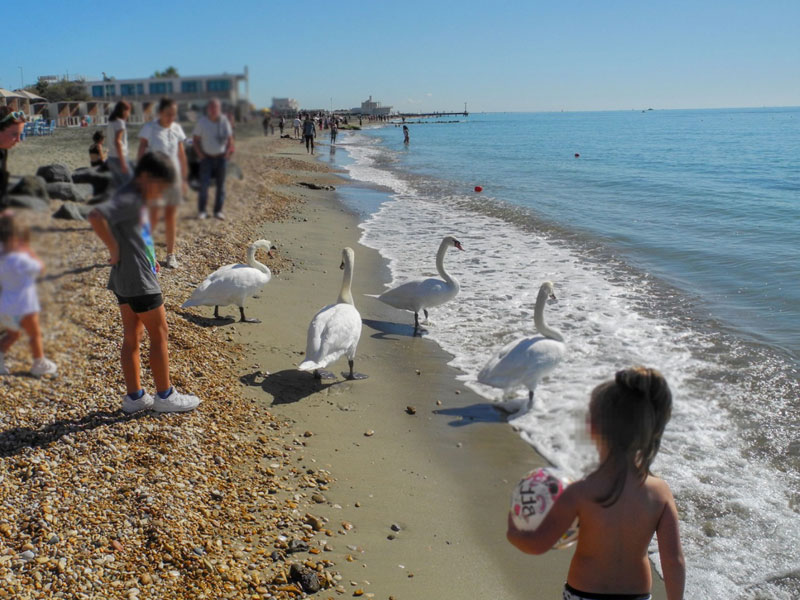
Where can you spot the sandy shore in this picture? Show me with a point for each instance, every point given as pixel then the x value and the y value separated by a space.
pixel 195 506
pixel 443 475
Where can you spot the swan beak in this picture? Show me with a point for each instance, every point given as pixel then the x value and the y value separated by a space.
pixel 341 266
pixel 271 254
pixel 553 298
pixel 458 245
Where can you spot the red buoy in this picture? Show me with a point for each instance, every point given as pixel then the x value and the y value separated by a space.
pixel 478 188
pixel 577 155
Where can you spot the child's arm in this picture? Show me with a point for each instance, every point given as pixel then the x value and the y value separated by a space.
pixel 103 231
pixel 560 517
pixel 670 551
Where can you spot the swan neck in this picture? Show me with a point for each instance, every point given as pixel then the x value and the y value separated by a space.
pixel 346 295
pixel 252 262
pixel 440 262
pixel 538 318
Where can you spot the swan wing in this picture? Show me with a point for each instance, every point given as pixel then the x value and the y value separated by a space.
pixel 420 293
pixel 522 363
pixel 231 284
pixel 333 332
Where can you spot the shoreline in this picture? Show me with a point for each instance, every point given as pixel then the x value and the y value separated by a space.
pixel 459 458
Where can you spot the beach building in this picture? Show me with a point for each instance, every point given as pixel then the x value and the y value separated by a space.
pixel 285 107
pixel 191 93
pixel 373 108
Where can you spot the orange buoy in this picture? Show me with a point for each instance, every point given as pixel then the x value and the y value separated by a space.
pixel 478 188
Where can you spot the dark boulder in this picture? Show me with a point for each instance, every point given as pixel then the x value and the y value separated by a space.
pixel 31 186
pixel 62 190
pixel 99 180
pixel 73 211
pixel 56 172
pixel 30 202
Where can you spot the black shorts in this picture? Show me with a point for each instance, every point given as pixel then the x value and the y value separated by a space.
pixel 141 304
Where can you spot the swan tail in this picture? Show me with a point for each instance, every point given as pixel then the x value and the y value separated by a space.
pixel 309 365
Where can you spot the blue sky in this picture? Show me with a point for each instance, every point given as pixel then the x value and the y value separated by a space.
pixel 497 56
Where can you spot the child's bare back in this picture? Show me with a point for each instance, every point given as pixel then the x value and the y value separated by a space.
pixel 612 547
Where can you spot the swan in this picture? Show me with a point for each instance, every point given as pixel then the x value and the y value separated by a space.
pixel 335 330
pixel 522 363
pixel 232 284
pixel 422 294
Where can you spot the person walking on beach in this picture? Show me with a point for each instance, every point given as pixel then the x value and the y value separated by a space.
pixel 167 136
pixel 117 132
pixel 19 303
pixel 297 123
pixel 213 143
pixel 405 134
pixel 281 125
pixel 265 124
pixel 334 132
pixel 309 132
pixel 621 504
pixel 97 154
pixel 122 224
pixel 12 122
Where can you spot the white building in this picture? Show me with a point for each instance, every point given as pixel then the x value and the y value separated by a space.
pixel 373 108
pixel 285 107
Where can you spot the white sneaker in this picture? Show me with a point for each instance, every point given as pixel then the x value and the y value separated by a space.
pixel 219 215
pixel 202 215
pixel 175 402
pixel 129 405
pixel 3 369
pixel 172 262
pixel 43 366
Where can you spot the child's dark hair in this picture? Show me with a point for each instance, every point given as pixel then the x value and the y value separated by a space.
pixel 629 414
pixel 157 165
pixel 11 228
pixel 119 108
pixel 98 136
pixel 165 103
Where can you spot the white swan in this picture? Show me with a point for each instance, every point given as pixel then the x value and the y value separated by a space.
pixel 335 330
pixel 422 294
pixel 233 284
pixel 522 363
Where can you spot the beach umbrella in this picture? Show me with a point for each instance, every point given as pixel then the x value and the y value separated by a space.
pixel 29 95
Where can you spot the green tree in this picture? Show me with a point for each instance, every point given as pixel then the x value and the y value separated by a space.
pixel 60 91
pixel 166 73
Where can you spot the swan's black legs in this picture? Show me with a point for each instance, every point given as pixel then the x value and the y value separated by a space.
pixel 244 319
pixel 425 310
pixel 321 374
pixel 416 320
pixel 353 376
pixel 216 312
pixel 417 329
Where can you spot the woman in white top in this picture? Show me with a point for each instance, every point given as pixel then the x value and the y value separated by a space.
pixel 167 136
pixel 117 136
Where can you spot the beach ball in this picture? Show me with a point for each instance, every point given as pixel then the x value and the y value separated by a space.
pixel 534 496
pixel 478 188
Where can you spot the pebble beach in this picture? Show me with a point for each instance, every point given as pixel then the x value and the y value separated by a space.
pixel 277 486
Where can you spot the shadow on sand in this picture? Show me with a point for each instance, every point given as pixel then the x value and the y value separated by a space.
pixel 288 386
pixel 386 329
pixel 205 321
pixel 13 441
pixel 483 412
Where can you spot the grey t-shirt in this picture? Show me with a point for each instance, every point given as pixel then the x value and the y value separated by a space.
pixel 213 134
pixel 135 273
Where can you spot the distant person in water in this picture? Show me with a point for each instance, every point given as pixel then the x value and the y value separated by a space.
pixel 309 131
pixel 334 132
pixel 405 134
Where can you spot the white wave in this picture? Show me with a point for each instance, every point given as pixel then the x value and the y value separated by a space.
pixel 738 513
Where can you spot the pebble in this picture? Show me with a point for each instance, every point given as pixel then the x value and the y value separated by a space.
pixel 53 539
pixel 369 433
pixel 395 527
pixel 411 410
pixel 27 555
pixel 318 498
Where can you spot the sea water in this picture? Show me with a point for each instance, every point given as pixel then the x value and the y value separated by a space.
pixel 672 240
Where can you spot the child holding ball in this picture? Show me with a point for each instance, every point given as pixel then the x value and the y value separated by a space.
pixel 620 505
